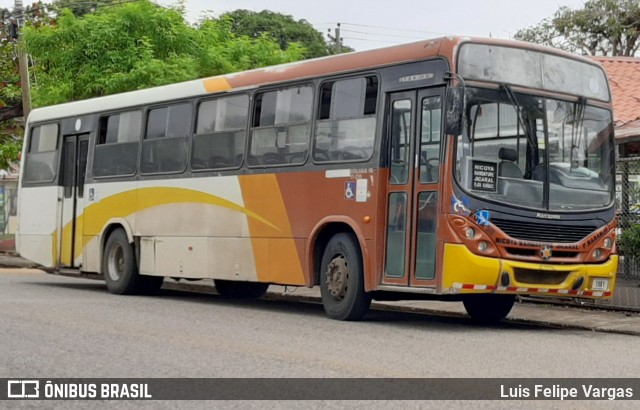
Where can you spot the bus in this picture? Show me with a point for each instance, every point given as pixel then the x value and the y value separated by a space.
pixel 457 169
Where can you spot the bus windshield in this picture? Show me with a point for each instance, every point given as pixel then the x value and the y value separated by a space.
pixel 536 152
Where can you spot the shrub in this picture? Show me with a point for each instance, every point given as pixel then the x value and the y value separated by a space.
pixel 629 242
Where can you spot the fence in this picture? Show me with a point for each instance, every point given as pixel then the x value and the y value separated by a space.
pixel 627 294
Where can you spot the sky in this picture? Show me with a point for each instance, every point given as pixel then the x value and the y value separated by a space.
pixel 367 24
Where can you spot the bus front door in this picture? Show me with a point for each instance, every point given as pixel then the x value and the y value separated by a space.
pixel 74 165
pixel 415 129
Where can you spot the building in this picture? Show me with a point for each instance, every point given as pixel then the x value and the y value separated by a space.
pixel 624 77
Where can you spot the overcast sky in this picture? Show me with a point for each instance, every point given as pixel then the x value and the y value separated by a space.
pixel 378 23
pixel 370 24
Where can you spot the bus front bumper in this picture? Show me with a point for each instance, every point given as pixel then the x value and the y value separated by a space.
pixel 464 272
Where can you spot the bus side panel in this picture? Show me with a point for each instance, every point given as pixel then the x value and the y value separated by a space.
pixel 278 255
pixel 37 239
pixel 310 197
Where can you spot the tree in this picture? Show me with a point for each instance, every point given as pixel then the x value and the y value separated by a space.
pixel 137 45
pixel 601 27
pixel 110 46
pixel 10 95
pixel 282 28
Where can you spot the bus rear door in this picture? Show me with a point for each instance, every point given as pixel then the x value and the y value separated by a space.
pixel 74 164
pixel 415 129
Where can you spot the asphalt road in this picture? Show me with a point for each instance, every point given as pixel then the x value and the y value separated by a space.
pixel 53 326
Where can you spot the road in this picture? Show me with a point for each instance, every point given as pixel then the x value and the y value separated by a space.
pixel 55 326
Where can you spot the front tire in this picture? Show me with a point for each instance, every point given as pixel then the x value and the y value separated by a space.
pixel 121 270
pixel 488 308
pixel 342 279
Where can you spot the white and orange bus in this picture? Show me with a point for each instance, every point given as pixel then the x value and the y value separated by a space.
pixel 456 169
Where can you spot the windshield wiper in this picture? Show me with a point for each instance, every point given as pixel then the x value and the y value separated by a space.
pixel 576 132
pixel 514 101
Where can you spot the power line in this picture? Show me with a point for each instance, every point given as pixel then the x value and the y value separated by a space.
pixel 370 39
pixel 381 35
pixel 395 29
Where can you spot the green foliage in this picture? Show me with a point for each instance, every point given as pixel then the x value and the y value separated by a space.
pixel 601 27
pixel 137 45
pixel 629 242
pixel 284 29
pixel 11 128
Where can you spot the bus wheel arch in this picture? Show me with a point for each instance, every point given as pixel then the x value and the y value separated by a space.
pixel 112 225
pixel 320 237
pixel 119 265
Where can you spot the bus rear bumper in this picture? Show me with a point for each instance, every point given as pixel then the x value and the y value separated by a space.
pixel 465 272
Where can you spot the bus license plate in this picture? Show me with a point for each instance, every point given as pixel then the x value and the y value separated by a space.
pixel 600 284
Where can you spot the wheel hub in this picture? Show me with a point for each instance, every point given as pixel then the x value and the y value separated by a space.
pixel 337 275
pixel 116 263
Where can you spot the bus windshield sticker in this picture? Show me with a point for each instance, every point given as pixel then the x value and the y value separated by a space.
pixel 483 217
pixel 349 189
pixel 362 190
pixel 485 175
pixel 460 206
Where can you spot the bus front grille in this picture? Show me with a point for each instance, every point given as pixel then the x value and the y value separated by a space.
pixel 541 232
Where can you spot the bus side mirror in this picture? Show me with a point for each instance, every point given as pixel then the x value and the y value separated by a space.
pixel 454 110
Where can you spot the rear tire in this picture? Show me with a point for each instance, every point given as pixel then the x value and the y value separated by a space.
pixel 241 290
pixel 121 270
pixel 488 308
pixel 342 279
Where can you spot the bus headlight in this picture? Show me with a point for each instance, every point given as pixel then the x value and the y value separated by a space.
pixel 597 254
pixel 608 243
pixel 470 233
pixel 483 246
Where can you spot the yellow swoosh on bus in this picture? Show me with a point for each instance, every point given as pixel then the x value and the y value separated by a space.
pixel 129 202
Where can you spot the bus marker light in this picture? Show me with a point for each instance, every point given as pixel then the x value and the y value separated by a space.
pixel 366 219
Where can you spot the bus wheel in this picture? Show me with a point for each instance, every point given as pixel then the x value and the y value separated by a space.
pixel 120 269
pixel 241 290
pixel 488 308
pixel 342 279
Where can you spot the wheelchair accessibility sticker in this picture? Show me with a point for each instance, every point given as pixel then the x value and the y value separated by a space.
pixel 358 190
pixel 350 189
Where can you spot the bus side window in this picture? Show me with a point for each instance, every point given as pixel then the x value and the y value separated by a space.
pixel 166 142
pixel 116 151
pixel 41 160
pixel 345 130
pixel 281 126
pixel 220 133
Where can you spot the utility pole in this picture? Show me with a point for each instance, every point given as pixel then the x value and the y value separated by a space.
pixel 23 61
pixel 337 39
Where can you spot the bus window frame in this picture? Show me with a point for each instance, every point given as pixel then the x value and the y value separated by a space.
pixel 100 116
pixel 379 105
pixel 197 102
pixel 166 104
pixel 252 116
pixel 57 163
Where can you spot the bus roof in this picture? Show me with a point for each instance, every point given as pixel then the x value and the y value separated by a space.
pixel 299 70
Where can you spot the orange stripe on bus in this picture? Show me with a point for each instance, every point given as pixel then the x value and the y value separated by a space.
pixel 216 84
pixel 275 252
